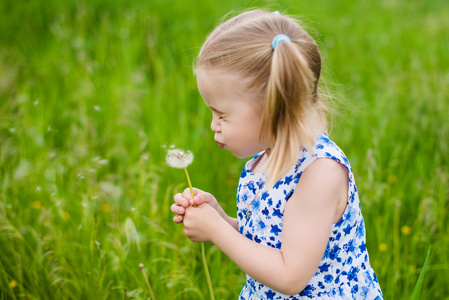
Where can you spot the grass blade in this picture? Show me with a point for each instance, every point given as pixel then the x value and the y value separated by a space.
pixel 417 289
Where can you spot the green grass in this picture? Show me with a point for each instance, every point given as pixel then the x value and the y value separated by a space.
pixel 91 90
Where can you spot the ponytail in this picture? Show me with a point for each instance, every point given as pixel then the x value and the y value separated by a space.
pixel 291 110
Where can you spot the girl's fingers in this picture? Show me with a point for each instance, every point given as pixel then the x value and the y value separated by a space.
pixel 185 199
pixel 177 209
pixel 178 218
pixel 201 198
pixel 181 200
pixel 188 195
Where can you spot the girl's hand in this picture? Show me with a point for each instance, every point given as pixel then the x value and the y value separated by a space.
pixel 201 222
pixel 184 200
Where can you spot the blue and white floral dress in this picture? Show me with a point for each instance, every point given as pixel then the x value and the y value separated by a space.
pixel 344 271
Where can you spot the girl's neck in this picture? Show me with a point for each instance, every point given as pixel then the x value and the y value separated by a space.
pixel 258 163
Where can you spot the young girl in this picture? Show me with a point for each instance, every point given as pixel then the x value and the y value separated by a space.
pixel 299 232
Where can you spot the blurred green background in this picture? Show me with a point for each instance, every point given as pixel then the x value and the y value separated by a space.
pixel 91 91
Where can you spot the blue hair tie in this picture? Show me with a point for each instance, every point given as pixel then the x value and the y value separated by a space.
pixel 279 38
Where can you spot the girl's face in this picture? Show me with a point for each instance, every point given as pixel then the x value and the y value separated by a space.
pixel 236 112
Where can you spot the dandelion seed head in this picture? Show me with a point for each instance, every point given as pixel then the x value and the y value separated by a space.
pixel 103 162
pixel 177 158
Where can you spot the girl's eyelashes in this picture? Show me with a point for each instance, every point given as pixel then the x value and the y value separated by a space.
pixel 216 115
pixel 219 117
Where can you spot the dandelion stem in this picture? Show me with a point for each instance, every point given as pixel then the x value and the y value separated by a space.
pixel 147 282
pixel 203 252
pixel 206 270
pixel 190 183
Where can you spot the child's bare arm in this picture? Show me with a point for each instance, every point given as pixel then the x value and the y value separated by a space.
pixel 308 218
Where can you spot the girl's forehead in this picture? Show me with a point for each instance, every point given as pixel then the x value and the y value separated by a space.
pixel 226 82
pixel 222 77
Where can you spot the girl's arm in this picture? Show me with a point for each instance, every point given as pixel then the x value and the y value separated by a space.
pixel 182 201
pixel 308 217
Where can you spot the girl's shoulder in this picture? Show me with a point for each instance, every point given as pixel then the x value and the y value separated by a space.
pixel 323 147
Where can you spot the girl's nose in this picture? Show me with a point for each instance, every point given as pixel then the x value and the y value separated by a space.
pixel 214 126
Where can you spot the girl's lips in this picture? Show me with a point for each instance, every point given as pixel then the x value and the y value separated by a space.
pixel 221 145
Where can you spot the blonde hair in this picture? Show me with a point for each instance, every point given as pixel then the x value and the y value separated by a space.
pixel 286 76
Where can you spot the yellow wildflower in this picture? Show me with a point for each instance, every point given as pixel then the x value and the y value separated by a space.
pixel 12 284
pixel 36 204
pixel 383 247
pixel 105 207
pixel 406 230
pixel 392 179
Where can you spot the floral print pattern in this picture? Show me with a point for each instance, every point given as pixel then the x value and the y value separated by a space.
pixel 344 271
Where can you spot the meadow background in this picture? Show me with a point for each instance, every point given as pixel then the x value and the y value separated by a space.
pixel 90 91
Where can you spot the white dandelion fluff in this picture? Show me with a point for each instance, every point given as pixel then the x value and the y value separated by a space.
pixel 177 158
